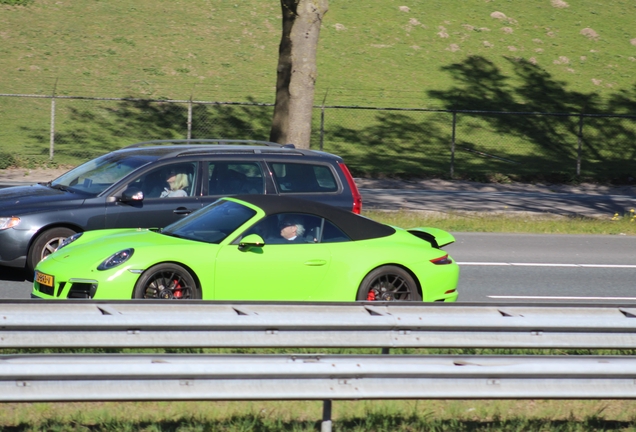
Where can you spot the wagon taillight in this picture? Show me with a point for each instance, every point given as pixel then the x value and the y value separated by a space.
pixel 357 197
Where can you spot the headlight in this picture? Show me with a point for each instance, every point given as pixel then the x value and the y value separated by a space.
pixel 8 222
pixel 116 259
pixel 68 240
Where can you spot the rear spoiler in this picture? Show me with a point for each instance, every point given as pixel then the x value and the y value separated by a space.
pixel 436 237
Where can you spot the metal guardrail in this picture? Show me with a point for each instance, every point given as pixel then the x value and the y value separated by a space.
pixel 146 324
pixel 312 377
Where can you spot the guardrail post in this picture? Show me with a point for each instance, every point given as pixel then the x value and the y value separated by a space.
pixel 325 426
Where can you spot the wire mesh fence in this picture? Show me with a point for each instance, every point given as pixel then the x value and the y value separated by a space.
pixel 68 130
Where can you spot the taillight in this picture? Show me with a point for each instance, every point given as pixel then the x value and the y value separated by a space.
pixel 357 198
pixel 442 260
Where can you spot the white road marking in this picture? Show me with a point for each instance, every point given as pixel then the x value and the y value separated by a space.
pixel 515 297
pixel 559 298
pixel 547 265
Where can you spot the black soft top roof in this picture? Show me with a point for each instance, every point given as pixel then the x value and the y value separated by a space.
pixel 356 227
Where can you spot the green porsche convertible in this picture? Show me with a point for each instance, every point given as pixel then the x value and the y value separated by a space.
pixel 254 247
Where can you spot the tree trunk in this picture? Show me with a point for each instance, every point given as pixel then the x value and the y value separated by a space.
pixel 296 72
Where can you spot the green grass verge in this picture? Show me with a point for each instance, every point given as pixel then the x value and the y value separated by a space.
pixel 360 416
pixel 510 223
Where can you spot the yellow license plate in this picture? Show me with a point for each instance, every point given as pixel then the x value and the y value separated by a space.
pixel 44 279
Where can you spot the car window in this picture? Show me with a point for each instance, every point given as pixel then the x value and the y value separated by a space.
pixel 233 178
pixel 97 175
pixel 167 181
pixel 309 229
pixel 211 224
pixel 332 234
pixel 303 178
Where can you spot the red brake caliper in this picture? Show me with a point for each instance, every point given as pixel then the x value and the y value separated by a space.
pixel 177 290
pixel 371 295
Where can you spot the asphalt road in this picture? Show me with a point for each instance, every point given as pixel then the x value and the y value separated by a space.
pixel 545 268
pixel 528 268
pixel 567 204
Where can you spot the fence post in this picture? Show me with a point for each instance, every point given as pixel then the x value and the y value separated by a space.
pixel 190 118
pixel 322 126
pixel 52 133
pixel 578 155
pixel 452 161
pixel 322 121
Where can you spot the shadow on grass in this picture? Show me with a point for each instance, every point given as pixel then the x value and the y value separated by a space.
pixel 530 127
pixel 372 422
pixel 607 143
pixel 87 131
pixel 392 144
pixel 513 135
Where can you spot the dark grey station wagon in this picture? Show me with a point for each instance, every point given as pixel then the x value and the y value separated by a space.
pixel 155 183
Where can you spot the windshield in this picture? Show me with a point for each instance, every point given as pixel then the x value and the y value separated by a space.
pixel 211 224
pixel 97 175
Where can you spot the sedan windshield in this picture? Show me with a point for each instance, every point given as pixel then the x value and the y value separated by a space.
pixel 97 175
pixel 213 223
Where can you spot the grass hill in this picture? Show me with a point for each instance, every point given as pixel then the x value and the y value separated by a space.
pixel 376 52
pixel 538 55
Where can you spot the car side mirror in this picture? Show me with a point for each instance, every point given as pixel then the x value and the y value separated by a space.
pixel 132 194
pixel 251 241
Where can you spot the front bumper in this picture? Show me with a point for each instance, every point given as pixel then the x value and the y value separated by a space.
pixel 14 245
pixel 109 285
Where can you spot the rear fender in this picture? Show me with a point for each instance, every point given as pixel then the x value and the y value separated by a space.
pixel 436 237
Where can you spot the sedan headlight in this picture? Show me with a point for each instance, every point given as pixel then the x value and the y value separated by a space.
pixel 116 259
pixel 68 240
pixel 8 222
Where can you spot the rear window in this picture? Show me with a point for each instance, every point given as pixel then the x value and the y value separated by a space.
pixel 303 178
pixel 233 178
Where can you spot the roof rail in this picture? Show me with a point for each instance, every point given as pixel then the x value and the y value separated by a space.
pixel 210 141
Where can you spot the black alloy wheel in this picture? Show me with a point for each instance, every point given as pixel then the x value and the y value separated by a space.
pixel 168 282
pixel 388 283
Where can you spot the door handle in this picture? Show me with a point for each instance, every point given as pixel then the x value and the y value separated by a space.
pixel 182 211
pixel 316 262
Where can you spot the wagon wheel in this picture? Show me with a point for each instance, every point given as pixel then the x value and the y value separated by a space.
pixel 45 244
